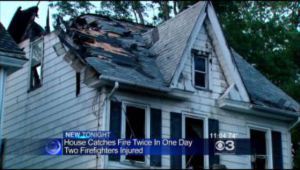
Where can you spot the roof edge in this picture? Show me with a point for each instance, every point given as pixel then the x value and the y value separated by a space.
pixel 196 29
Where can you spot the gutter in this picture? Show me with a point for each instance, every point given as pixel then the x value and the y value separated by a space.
pixel 116 86
pixel 257 110
pixel 274 110
pixel 103 77
pixel 294 124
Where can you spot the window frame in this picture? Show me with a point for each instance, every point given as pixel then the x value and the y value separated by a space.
pixel 30 87
pixel 123 159
pixel 268 137
pixel 204 118
pixel 206 73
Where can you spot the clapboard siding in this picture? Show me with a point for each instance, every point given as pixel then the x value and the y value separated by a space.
pixel 218 84
pixel 45 160
pixel 54 107
pixel 46 111
pixel 204 103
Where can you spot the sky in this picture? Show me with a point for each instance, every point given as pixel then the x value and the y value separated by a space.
pixel 8 9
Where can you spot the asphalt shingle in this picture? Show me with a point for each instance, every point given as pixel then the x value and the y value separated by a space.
pixel 173 37
pixel 116 49
pixel 261 90
pixel 7 44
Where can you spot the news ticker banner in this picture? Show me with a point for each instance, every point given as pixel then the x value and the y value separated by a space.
pixel 104 143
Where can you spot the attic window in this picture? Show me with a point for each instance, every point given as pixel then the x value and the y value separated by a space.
pixel 200 71
pixel 36 56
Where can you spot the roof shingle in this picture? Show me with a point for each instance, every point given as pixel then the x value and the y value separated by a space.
pixel 7 44
pixel 261 90
pixel 173 37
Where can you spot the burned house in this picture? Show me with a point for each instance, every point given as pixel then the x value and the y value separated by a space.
pixel 177 80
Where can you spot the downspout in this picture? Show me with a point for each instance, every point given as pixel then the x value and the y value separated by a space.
pixel 294 124
pixel 2 94
pixel 116 86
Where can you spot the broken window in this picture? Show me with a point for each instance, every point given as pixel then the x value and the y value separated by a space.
pixel 258 149
pixel 135 128
pixel 77 83
pixel 194 131
pixel 200 71
pixel 36 56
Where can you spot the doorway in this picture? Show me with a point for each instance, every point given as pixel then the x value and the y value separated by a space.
pixel 194 131
pixel 258 149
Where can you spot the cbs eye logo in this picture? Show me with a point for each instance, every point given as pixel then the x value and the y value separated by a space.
pixel 227 145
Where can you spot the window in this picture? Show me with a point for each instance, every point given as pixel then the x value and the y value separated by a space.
pixel 135 124
pixel 194 131
pixel 200 71
pixel 77 83
pixel 36 56
pixel 135 128
pixel 131 120
pixel 258 149
pixel 191 128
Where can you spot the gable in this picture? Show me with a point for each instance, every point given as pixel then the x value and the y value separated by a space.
pixel 174 34
pixel 216 80
pixel 222 51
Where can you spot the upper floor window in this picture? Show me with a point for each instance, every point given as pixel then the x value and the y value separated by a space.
pixel 200 71
pixel 36 56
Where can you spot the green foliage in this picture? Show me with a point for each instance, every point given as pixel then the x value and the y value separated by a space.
pixel 71 9
pixel 267 35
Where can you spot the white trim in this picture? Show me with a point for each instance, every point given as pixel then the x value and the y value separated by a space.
pixel 30 61
pixel 15 63
pixel 188 47
pixel 245 107
pixel 3 75
pixel 227 58
pixel 207 72
pixel 268 135
pixel 204 119
pixel 106 126
pixel 146 107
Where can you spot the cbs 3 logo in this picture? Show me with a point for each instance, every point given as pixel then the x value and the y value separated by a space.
pixel 227 145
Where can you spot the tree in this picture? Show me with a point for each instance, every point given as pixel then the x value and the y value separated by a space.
pixel 124 9
pixel 267 37
pixel 71 9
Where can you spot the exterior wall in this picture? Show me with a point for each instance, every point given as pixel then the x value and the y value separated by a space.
pixel 228 122
pixel 202 105
pixel 54 107
pixel 47 111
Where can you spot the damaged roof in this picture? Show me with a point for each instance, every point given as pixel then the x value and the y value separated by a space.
pixel 23 26
pixel 148 57
pixel 7 44
pixel 261 90
pixel 114 48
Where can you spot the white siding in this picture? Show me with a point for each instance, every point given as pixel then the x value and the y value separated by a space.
pixel 53 108
pixel 203 103
pixel 46 111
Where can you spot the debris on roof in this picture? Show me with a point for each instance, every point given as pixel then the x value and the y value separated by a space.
pixel 114 48
pixel 8 45
pixel 23 26
pixel 261 90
